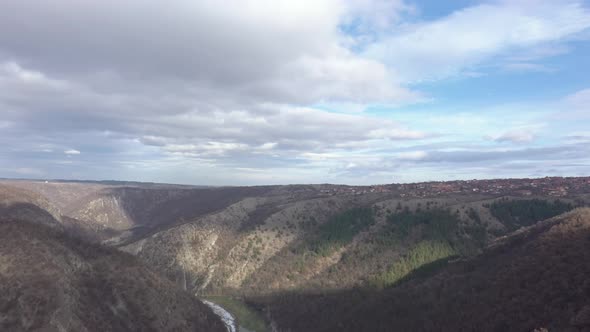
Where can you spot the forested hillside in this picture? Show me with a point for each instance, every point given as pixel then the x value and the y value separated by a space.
pixel 276 247
pixel 533 279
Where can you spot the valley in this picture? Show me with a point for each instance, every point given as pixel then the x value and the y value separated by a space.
pixel 278 257
pixel 295 166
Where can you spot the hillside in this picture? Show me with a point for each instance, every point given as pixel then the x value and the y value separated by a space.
pixel 17 202
pixel 119 214
pixel 277 247
pixel 535 278
pixel 254 240
pixel 269 244
pixel 50 281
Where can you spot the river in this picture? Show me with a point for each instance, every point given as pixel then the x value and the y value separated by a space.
pixel 226 317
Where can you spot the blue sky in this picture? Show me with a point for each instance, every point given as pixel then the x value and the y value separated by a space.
pixel 265 92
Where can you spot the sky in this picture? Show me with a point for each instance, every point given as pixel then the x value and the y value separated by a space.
pixel 251 92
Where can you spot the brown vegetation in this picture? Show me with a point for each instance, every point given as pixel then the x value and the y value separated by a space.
pixel 50 281
pixel 320 259
pixel 536 278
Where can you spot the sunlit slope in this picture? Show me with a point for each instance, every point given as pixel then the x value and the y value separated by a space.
pixel 534 278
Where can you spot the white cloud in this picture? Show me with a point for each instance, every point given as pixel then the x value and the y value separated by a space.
pixel 371 15
pixel 411 155
pixel 535 53
pixel 320 156
pixel 578 137
pixel 268 146
pixel 260 51
pixel 520 131
pixel 397 133
pixel 515 136
pixel 579 100
pixel 527 67
pixel 469 37
pixel 574 107
pixel 13 73
pixel 28 171
pixel 194 90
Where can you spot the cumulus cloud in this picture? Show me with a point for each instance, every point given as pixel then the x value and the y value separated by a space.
pixel 224 48
pixel 171 119
pixel 192 79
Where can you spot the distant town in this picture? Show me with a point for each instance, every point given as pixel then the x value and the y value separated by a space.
pixel 548 186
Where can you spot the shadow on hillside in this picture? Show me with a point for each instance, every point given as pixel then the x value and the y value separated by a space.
pixel 28 211
pixel 426 270
pixel 33 217
pixel 37 215
pixel 51 280
pixel 535 279
pixel 128 214
pixel 153 210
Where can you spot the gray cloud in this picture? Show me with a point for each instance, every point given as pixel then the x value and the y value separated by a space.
pixel 515 137
pixel 209 47
pixel 69 114
pixel 189 79
pixel 191 91
pixel 432 162
pixel 527 154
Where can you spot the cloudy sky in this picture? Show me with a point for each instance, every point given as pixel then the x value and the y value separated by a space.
pixel 261 92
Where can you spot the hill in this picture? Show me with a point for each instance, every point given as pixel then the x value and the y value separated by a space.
pixel 330 247
pixel 265 244
pixel 253 240
pixel 51 281
pixel 535 278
